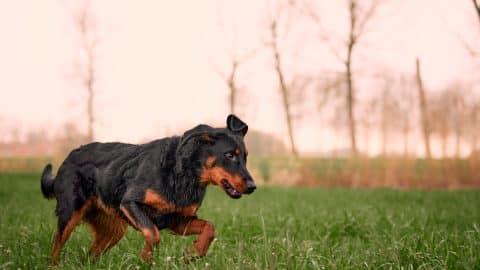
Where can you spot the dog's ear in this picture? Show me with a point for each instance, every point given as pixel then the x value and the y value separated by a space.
pixel 236 125
pixel 189 145
pixel 202 133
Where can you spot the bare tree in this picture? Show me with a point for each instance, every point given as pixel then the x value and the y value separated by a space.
pixel 230 78
pixel 477 8
pixel 468 45
pixel 235 60
pixel 389 111
pixel 283 86
pixel 358 18
pixel 439 113
pixel 473 122
pixel 395 112
pixel 459 114
pixel 86 26
pixel 368 120
pixel 68 138
pixel 423 110
pixel 406 103
pixel 384 112
pixel 450 115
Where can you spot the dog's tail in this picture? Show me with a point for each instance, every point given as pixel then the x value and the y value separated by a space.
pixel 47 182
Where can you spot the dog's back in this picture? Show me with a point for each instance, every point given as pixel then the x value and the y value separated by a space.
pixel 83 162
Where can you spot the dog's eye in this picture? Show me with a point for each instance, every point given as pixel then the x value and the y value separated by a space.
pixel 230 156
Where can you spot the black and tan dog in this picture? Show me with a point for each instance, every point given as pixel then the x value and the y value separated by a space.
pixel 151 186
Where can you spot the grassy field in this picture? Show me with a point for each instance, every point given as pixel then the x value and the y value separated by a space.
pixel 274 228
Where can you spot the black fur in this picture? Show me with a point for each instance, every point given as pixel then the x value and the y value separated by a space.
pixel 118 174
pixel 47 182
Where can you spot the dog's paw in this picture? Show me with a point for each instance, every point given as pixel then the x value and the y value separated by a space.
pixel 146 256
pixel 190 255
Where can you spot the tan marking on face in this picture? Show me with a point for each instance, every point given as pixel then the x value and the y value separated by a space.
pixel 237 151
pixel 215 175
pixel 210 162
pixel 156 201
pixel 206 137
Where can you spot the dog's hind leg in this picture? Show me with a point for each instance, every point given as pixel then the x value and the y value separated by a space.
pixel 107 229
pixel 140 220
pixel 204 230
pixel 67 220
pixel 72 204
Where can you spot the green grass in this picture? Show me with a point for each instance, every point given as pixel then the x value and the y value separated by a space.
pixel 274 228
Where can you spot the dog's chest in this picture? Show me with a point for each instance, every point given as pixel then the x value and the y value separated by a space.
pixel 163 206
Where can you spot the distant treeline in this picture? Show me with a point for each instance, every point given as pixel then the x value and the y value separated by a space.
pixel 364 172
pixel 392 172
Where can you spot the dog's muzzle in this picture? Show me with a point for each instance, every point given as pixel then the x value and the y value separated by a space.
pixel 250 187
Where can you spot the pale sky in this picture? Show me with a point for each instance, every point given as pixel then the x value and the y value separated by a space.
pixel 158 62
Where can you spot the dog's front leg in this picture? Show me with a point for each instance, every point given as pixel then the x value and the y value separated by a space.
pixel 143 223
pixel 204 229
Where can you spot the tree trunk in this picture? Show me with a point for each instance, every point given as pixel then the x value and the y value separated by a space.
pixel 90 135
pixel 350 107
pixel 444 144
pixel 286 102
pixel 233 88
pixel 283 88
pixel 458 139
pixel 384 139
pixel 367 138
pixel 350 90
pixel 406 132
pixel 423 111
pixel 383 122
pixel 474 143
pixel 89 85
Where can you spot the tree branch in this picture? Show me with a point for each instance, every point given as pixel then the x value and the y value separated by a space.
pixel 323 35
pixel 366 18
pixel 467 46
pixel 477 8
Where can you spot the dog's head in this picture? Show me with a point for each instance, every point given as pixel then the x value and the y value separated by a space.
pixel 222 155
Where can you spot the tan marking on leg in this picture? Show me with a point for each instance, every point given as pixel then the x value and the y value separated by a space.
pixel 204 229
pixel 152 238
pixel 61 238
pixel 129 217
pixel 156 201
pixel 210 162
pixel 107 228
pixel 189 211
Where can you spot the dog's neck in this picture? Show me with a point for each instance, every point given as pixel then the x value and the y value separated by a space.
pixel 183 186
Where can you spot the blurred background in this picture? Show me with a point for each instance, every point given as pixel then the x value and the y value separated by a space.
pixel 359 93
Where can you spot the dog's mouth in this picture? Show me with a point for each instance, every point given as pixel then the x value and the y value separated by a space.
pixel 230 190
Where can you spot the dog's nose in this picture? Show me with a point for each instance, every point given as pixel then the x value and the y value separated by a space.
pixel 250 187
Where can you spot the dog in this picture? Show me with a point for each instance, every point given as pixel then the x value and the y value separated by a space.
pixel 153 186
